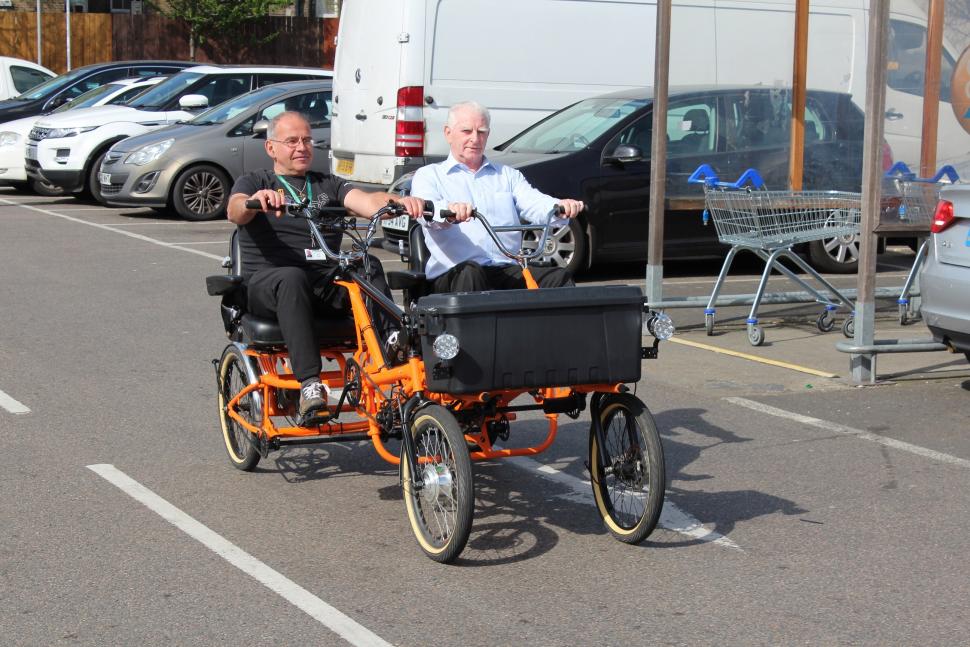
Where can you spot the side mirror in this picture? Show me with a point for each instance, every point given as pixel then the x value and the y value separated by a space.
pixel 625 153
pixel 193 102
pixel 260 128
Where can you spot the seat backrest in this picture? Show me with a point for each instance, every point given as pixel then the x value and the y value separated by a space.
pixel 699 121
pixel 418 253
pixel 235 255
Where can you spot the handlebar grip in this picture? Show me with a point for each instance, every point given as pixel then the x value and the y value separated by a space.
pixel 559 209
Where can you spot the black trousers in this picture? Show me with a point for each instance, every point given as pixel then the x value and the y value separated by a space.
pixel 295 296
pixel 472 277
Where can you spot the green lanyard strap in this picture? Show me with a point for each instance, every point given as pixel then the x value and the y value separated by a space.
pixel 293 193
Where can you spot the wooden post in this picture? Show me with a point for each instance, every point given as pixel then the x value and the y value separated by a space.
pixel 799 76
pixel 931 89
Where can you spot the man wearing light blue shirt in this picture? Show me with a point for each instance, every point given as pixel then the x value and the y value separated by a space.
pixel 463 258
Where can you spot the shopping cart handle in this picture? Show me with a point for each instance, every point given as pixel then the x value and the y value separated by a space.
pixel 900 171
pixel 708 176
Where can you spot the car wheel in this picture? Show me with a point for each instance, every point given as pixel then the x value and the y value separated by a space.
pixel 565 246
pixel 201 193
pixel 94 184
pixel 838 255
pixel 45 188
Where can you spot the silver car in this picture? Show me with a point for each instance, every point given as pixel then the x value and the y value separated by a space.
pixel 190 167
pixel 945 278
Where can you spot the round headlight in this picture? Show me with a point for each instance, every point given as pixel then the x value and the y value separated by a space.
pixel 445 346
pixel 661 326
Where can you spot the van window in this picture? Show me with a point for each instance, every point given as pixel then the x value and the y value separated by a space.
pixel 690 128
pixel 907 60
pixel 24 78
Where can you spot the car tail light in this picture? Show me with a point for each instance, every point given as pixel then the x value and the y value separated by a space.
pixel 409 129
pixel 887 157
pixel 943 217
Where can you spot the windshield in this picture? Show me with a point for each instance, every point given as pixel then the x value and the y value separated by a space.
pixel 89 98
pixel 52 85
pixel 226 110
pixel 165 91
pixel 575 127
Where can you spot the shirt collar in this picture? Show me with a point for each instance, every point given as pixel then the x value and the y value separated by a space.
pixel 451 164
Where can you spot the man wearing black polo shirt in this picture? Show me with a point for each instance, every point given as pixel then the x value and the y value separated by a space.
pixel 281 282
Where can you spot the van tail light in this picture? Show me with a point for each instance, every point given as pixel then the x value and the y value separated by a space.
pixel 887 157
pixel 409 127
pixel 943 217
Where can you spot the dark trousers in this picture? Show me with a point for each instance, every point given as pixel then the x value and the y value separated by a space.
pixel 295 296
pixel 472 277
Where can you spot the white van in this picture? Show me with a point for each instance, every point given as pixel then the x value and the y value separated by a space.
pixel 400 64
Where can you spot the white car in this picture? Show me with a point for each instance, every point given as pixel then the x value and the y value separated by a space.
pixel 18 75
pixel 13 134
pixel 67 150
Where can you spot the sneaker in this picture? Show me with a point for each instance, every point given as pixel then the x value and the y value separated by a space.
pixel 313 399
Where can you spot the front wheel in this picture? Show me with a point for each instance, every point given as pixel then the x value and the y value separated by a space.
pixel 440 509
pixel 628 472
pixel 233 378
pixel 201 193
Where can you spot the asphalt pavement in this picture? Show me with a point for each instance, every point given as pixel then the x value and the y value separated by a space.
pixel 801 508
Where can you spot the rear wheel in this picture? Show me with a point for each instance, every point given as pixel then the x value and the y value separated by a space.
pixel 233 378
pixel 628 473
pixel 440 511
pixel 201 193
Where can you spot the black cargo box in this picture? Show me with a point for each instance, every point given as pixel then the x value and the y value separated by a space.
pixel 512 339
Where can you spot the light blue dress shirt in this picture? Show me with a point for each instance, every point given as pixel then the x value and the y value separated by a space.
pixel 501 193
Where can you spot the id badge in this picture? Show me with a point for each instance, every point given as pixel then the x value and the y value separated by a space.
pixel 315 255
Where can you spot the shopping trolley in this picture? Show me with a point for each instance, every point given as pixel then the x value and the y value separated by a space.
pixel 915 199
pixel 769 223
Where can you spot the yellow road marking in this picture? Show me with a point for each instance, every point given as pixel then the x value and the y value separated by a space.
pixel 753 358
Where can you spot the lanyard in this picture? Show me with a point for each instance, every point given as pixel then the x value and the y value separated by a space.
pixel 296 197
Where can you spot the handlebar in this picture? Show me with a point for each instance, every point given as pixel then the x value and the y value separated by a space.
pixel 521 257
pixel 339 220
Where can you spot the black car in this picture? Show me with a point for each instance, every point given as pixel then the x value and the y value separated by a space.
pixel 597 150
pixel 55 92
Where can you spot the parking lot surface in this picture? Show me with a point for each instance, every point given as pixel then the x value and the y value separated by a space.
pixel 801 508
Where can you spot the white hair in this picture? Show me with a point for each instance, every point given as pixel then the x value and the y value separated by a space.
pixel 478 108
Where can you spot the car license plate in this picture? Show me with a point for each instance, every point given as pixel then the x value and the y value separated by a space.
pixel 345 166
pixel 32 153
pixel 399 223
pixel 104 178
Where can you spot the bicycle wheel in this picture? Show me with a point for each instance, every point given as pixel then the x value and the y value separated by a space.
pixel 629 490
pixel 233 377
pixel 440 511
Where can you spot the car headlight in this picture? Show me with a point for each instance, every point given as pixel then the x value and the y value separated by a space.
pixel 59 133
pixel 150 153
pixel 660 326
pixel 8 138
pixel 445 346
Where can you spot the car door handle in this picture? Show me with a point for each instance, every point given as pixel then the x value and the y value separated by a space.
pixel 892 115
pixel 360 116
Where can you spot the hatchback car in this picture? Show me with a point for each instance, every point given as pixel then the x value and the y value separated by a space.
pixel 190 167
pixel 597 150
pixel 67 150
pixel 54 92
pixel 945 277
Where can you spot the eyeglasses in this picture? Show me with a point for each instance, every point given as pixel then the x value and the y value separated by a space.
pixel 293 142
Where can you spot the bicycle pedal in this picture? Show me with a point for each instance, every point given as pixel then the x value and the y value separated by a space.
pixel 315 418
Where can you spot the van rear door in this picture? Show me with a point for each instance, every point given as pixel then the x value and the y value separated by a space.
pixel 367 73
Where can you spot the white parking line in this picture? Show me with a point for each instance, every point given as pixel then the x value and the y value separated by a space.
pixel 580 490
pixel 146 239
pixel 842 429
pixel 328 616
pixel 12 405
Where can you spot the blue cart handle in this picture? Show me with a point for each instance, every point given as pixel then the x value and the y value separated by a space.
pixel 900 171
pixel 708 176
